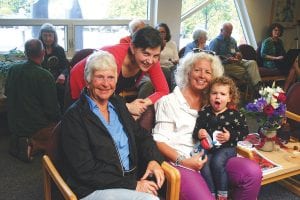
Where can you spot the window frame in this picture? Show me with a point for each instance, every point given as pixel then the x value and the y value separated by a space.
pixel 71 23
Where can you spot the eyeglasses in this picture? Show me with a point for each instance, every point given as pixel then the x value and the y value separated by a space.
pixel 198 50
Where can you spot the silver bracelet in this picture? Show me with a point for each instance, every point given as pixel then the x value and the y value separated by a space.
pixel 179 159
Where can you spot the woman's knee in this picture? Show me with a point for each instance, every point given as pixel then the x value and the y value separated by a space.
pixel 193 186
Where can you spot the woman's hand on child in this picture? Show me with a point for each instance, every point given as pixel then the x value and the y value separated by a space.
pixel 202 133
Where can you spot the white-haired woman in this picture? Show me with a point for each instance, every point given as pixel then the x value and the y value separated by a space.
pixel 175 120
pixel 101 141
pixel 199 41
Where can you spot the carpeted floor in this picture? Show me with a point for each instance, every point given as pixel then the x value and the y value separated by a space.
pixel 23 181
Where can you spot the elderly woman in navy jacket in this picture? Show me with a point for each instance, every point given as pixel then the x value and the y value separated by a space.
pixel 102 144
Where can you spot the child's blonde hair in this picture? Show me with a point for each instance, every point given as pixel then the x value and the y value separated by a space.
pixel 233 90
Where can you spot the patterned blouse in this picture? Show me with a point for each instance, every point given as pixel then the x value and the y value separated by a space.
pixel 232 120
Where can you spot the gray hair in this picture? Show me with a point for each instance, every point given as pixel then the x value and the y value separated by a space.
pixel 99 60
pixel 47 27
pixel 187 63
pixel 135 25
pixel 199 33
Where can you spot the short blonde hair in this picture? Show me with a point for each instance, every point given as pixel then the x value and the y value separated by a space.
pixel 187 63
pixel 99 60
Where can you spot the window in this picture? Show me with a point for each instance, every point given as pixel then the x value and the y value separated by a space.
pixel 102 22
pixel 209 15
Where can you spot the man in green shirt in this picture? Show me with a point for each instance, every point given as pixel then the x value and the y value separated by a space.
pixel 33 108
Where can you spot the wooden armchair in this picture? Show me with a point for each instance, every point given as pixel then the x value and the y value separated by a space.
pixel 52 160
pixel 51 173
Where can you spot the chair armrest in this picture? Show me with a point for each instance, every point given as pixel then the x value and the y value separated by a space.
pixel 50 172
pixel 292 116
pixel 245 152
pixel 173 181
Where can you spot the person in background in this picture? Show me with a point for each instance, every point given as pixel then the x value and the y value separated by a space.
pixel 274 55
pixel 32 105
pixel 168 60
pixel 199 41
pixel 221 123
pixel 134 60
pixel 169 54
pixel 133 26
pixel 102 144
pixel 55 59
pixel 225 46
pixel 175 120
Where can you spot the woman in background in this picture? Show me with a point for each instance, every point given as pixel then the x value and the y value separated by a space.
pixel 275 57
pixel 55 59
pixel 199 41
pixel 169 54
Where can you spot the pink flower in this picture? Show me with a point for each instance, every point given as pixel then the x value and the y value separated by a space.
pixel 269 110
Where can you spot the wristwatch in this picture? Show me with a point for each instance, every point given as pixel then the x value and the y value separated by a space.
pixel 179 160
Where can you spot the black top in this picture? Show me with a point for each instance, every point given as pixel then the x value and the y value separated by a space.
pixel 232 120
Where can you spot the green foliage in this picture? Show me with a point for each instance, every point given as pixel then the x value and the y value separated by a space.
pixel 128 9
pixel 211 17
pixel 13 6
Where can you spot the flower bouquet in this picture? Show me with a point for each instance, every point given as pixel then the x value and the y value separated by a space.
pixel 269 111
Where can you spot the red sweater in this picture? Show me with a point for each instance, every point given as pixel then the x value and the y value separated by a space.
pixel 119 51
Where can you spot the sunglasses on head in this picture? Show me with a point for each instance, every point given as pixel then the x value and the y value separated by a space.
pixel 198 50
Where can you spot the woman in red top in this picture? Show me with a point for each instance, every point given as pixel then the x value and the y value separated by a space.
pixel 134 60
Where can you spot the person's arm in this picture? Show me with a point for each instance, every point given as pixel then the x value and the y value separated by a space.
pixel 163 133
pixel 213 46
pixel 77 82
pixel 63 61
pixel 188 48
pixel 199 125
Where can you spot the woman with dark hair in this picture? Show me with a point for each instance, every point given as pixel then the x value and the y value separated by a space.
pixel 134 60
pixel 55 59
pixel 275 57
pixel 169 54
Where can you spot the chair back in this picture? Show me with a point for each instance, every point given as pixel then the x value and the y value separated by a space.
pixel 247 51
pixel 259 59
pixel 293 98
pixel 79 55
pixel 181 52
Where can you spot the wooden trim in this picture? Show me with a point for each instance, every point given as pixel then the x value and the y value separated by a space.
pixel 50 172
pixel 173 181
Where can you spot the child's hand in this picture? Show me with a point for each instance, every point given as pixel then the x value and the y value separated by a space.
pixel 202 134
pixel 224 136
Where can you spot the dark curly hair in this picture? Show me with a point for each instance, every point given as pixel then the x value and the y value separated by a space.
pixel 273 26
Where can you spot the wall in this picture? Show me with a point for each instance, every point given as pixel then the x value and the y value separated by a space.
pixel 167 12
pixel 260 15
